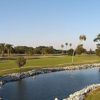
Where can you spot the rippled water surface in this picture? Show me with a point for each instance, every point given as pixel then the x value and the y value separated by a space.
pixel 51 85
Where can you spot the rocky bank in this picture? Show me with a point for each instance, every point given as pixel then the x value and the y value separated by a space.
pixel 18 76
pixel 80 95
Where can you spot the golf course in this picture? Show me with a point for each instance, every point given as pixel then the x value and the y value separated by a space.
pixel 10 66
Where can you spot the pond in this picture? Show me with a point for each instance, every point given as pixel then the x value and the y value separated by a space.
pixel 51 85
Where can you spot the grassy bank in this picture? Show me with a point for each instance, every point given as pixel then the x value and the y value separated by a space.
pixel 9 66
pixel 94 95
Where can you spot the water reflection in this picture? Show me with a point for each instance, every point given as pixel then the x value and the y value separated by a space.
pixel 33 77
pixel 49 86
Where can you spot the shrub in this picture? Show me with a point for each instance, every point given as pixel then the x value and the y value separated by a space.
pixel 98 52
pixel 21 61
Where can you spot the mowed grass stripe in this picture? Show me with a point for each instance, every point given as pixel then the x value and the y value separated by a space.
pixel 11 66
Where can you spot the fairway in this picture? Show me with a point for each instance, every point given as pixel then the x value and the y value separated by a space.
pixel 9 66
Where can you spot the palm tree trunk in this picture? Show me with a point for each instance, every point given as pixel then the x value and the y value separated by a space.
pixel 2 53
pixel 62 51
pixel 66 50
pixel 8 52
pixel 73 57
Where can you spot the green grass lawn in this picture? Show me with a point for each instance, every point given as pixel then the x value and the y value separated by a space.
pixel 9 66
pixel 95 95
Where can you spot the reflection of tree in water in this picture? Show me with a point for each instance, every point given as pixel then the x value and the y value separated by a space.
pixel 34 77
pixel 1 93
pixel 99 73
pixel 21 88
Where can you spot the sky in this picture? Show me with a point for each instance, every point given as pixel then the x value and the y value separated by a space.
pixel 49 22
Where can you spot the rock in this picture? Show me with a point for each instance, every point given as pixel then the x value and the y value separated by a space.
pixel 1 83
pixel 79 95
pixel 1 98
pixel 18 76
pixel 56 98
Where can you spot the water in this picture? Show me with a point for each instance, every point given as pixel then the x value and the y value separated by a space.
pixel 51 85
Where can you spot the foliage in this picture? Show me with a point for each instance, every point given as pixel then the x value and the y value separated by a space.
pixel 80 49
pixel 98 52
pixel 70 44
pixel 29 51
pixel 70 52
pixel 20 49
pixel 90 52
pixel 97 39
pixel 44 50
pixel 21 61
pixel 2 48
pixel 66 44
pixel 82 38
pixel 9 48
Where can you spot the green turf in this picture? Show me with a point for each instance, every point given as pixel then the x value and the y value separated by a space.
pixel 9 66
pixel 94 95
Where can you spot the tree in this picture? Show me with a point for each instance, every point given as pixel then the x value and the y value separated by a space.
pixel 81 38
pixel 9 48
pixel 48 50
pixel 70 45
pixel 90 52
pixel 2 48
pixel 66 47
pixel 80 49
pixel 98 52
pixel 62 46
pixel 44 50
pixel 21 49
pixel 29 51
pixel 21 61
pixel 97 39
pixel 70 52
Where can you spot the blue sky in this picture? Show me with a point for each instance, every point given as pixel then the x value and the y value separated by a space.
pixel 49 22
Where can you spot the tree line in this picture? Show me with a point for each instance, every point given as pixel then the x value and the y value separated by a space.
pixel 9 49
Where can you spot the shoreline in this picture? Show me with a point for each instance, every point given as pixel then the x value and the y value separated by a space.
pixel 80 95
pixel 18 76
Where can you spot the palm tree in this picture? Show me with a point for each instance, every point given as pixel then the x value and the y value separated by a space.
pixel 2 48
pixel 82 38
pixel 66 47
pixel 9 48
pixel 97 38
pixel 70 45
pixel 72 53
pixel 62 46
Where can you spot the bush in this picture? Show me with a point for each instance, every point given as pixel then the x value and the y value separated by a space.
pixel 80 49
pixel 98 52
pixel 70 52
pixel 21 61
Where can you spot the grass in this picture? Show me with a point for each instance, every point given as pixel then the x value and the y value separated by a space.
pixel 94 95
pixel 9 66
